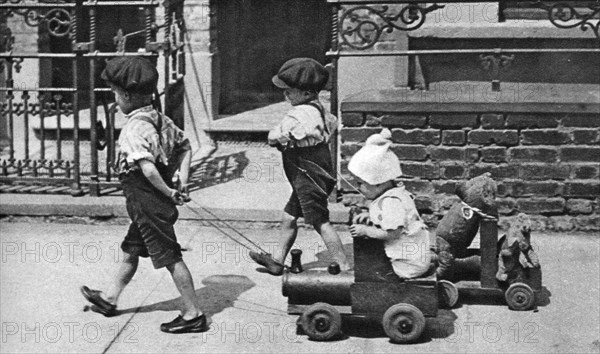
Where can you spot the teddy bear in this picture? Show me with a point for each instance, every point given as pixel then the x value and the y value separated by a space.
pixel 515 248
pixel 460 224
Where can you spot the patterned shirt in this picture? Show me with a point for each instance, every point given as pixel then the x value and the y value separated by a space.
pixel 139 139
pixel 408 243
pixel 304 126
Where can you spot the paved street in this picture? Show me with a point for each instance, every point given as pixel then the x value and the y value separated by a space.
pixel 44 264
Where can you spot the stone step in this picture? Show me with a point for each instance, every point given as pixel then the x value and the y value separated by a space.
pixel 67 124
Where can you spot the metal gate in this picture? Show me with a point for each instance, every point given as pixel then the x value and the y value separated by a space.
pixel 60 138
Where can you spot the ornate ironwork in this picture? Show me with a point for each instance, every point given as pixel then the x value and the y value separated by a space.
pixel 6 41
pixel 362 26
pixel 178 60
pixel 493 63
pixel 120 39
pixel 59 22
pixel 565 15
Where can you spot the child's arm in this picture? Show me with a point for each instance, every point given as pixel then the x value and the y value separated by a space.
pixel 287 130
pixel 184 170
pixel 149 170
pixel 369 231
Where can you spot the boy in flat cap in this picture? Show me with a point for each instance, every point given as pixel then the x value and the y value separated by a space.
pixel 302 136
pixel 151 147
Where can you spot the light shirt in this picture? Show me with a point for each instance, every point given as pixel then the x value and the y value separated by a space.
pixel 303 126
pixel 139 139
pixel 407 244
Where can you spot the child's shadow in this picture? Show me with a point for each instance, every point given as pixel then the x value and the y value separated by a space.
pixel 324 258
pixel 219 293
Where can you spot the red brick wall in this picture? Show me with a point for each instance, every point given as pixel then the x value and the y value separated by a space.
pixel 546 164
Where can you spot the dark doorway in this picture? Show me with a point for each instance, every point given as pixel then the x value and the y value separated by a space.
pixel 255 37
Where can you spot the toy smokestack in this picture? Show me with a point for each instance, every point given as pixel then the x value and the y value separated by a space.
pixel 296 261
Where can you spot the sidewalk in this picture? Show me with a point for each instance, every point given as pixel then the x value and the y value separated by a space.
pixel 241 181
pixel 44 264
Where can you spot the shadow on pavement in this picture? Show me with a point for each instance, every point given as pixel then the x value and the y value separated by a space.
pixel 217 170
pixel 219 293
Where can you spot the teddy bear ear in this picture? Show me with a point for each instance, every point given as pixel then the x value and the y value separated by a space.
pixel 461 190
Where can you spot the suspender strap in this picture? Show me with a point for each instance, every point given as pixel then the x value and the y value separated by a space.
pixel 322 112
pixel 157 126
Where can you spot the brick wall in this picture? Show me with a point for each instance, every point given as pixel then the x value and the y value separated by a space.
pixel 546 162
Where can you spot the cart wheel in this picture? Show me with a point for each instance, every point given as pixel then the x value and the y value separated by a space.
pixel 448 293
pixel 520 297
pixel 403 323
pixel 321 322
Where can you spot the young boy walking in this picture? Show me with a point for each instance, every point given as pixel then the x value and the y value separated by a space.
pixel 302 137
pixel 151 147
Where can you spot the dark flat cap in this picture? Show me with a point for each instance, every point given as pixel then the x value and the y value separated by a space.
pixel 302 73
pixel 133 74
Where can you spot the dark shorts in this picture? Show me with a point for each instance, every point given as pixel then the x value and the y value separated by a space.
pixel 151 233
pixel 309 171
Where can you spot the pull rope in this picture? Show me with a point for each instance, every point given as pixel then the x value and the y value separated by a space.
pixel 324 172
pixel 227 225
pixel 231 228
pixel 467 212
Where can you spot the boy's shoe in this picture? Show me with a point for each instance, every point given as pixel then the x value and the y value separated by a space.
pixel 179 325
pixel 101 306
pixel 267 261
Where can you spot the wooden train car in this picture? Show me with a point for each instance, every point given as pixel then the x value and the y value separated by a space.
pixel 373 290
pixel 523 286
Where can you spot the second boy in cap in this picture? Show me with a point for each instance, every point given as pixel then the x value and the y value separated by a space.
pixel 302 136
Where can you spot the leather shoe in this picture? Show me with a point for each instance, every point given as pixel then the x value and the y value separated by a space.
pixel 100 305
pixel 267 261
pixel 179 325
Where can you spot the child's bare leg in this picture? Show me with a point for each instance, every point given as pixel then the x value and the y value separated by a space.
pixel 289 229
pixel 124 275
pixel 185 284
pixel 333 243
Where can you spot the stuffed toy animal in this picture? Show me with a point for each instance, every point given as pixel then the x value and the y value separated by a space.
pixel 515 248
pixel 461 223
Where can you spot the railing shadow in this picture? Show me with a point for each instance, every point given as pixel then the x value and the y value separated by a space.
pixel 217 170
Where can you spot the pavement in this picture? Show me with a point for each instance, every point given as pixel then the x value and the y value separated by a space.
pixel 241 190
pixel 240 181
pixel 44 264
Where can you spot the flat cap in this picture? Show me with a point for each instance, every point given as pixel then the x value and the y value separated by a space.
pixel 302 73
pixel 133 74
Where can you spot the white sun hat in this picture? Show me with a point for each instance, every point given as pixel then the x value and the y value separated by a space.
pixel 375 163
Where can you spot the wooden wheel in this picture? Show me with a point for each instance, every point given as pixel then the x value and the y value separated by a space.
pixel 520 297
pixel 448 293
pixel 403 323
pixel 321 322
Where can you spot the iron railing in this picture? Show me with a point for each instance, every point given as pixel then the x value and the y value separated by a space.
pixel 67 157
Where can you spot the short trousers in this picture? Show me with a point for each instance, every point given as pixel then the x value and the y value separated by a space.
pixel 309 202
pixel 151 233
pixel 309 171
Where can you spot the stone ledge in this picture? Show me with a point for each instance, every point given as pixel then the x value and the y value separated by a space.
pixel 512 29
pixel 477 97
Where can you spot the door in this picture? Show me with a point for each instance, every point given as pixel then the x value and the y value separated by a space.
pixel 255 37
